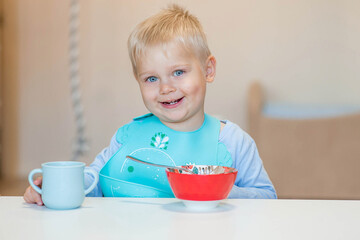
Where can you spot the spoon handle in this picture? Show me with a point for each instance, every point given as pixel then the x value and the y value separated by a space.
pixel 159 165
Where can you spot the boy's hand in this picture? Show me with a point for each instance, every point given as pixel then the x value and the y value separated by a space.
pixel 32 196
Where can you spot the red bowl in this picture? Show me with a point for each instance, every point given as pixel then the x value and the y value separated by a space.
pixel 198 187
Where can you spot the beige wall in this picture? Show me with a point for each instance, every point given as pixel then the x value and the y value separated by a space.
pixel 304 51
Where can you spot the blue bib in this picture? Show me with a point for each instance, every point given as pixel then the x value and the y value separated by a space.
pixel 148 139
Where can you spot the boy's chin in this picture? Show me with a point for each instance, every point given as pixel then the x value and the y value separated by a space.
pixel 172 120
pixel 182 123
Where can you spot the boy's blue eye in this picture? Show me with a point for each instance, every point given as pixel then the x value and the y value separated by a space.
pixel 151 79
pixel 178 73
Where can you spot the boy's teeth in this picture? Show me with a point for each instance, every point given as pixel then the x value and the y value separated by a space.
pixel 172 102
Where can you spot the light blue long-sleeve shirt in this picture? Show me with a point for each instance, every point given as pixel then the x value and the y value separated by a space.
pixel 252 181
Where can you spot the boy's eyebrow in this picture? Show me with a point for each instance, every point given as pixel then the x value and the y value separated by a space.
pixel 144 73
pixel 180 65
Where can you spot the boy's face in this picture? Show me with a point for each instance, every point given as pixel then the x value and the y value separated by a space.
pixel 173 84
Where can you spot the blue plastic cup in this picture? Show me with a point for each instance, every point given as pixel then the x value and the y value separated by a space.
pixel 63 184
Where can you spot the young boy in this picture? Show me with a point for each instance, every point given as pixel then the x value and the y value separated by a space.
pixel 172 64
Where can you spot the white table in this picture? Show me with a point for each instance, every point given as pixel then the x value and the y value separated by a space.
pixel 129 218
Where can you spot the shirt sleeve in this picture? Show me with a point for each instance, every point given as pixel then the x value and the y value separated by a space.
pixel 252 181
pixel 100 160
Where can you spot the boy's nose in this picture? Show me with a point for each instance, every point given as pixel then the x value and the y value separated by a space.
pixel 166 88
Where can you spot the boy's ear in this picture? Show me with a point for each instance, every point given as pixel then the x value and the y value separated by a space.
pixel 210 69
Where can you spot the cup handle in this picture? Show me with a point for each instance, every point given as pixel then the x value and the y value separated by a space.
pixel 96 179
pixel 31 181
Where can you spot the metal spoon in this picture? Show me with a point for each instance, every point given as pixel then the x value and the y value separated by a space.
pixel 159 165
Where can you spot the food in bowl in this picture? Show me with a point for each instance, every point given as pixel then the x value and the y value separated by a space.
pixel 211 183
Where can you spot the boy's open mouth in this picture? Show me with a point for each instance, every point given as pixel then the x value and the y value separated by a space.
pixel 172 102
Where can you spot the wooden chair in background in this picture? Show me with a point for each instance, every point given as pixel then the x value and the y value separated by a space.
pixel 307 158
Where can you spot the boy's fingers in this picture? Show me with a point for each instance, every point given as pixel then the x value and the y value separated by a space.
pixel 38 181
pixel 36 197
pixel 27 196
pixel 31 196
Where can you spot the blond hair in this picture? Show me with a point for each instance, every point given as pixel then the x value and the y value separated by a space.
pixel 171 24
